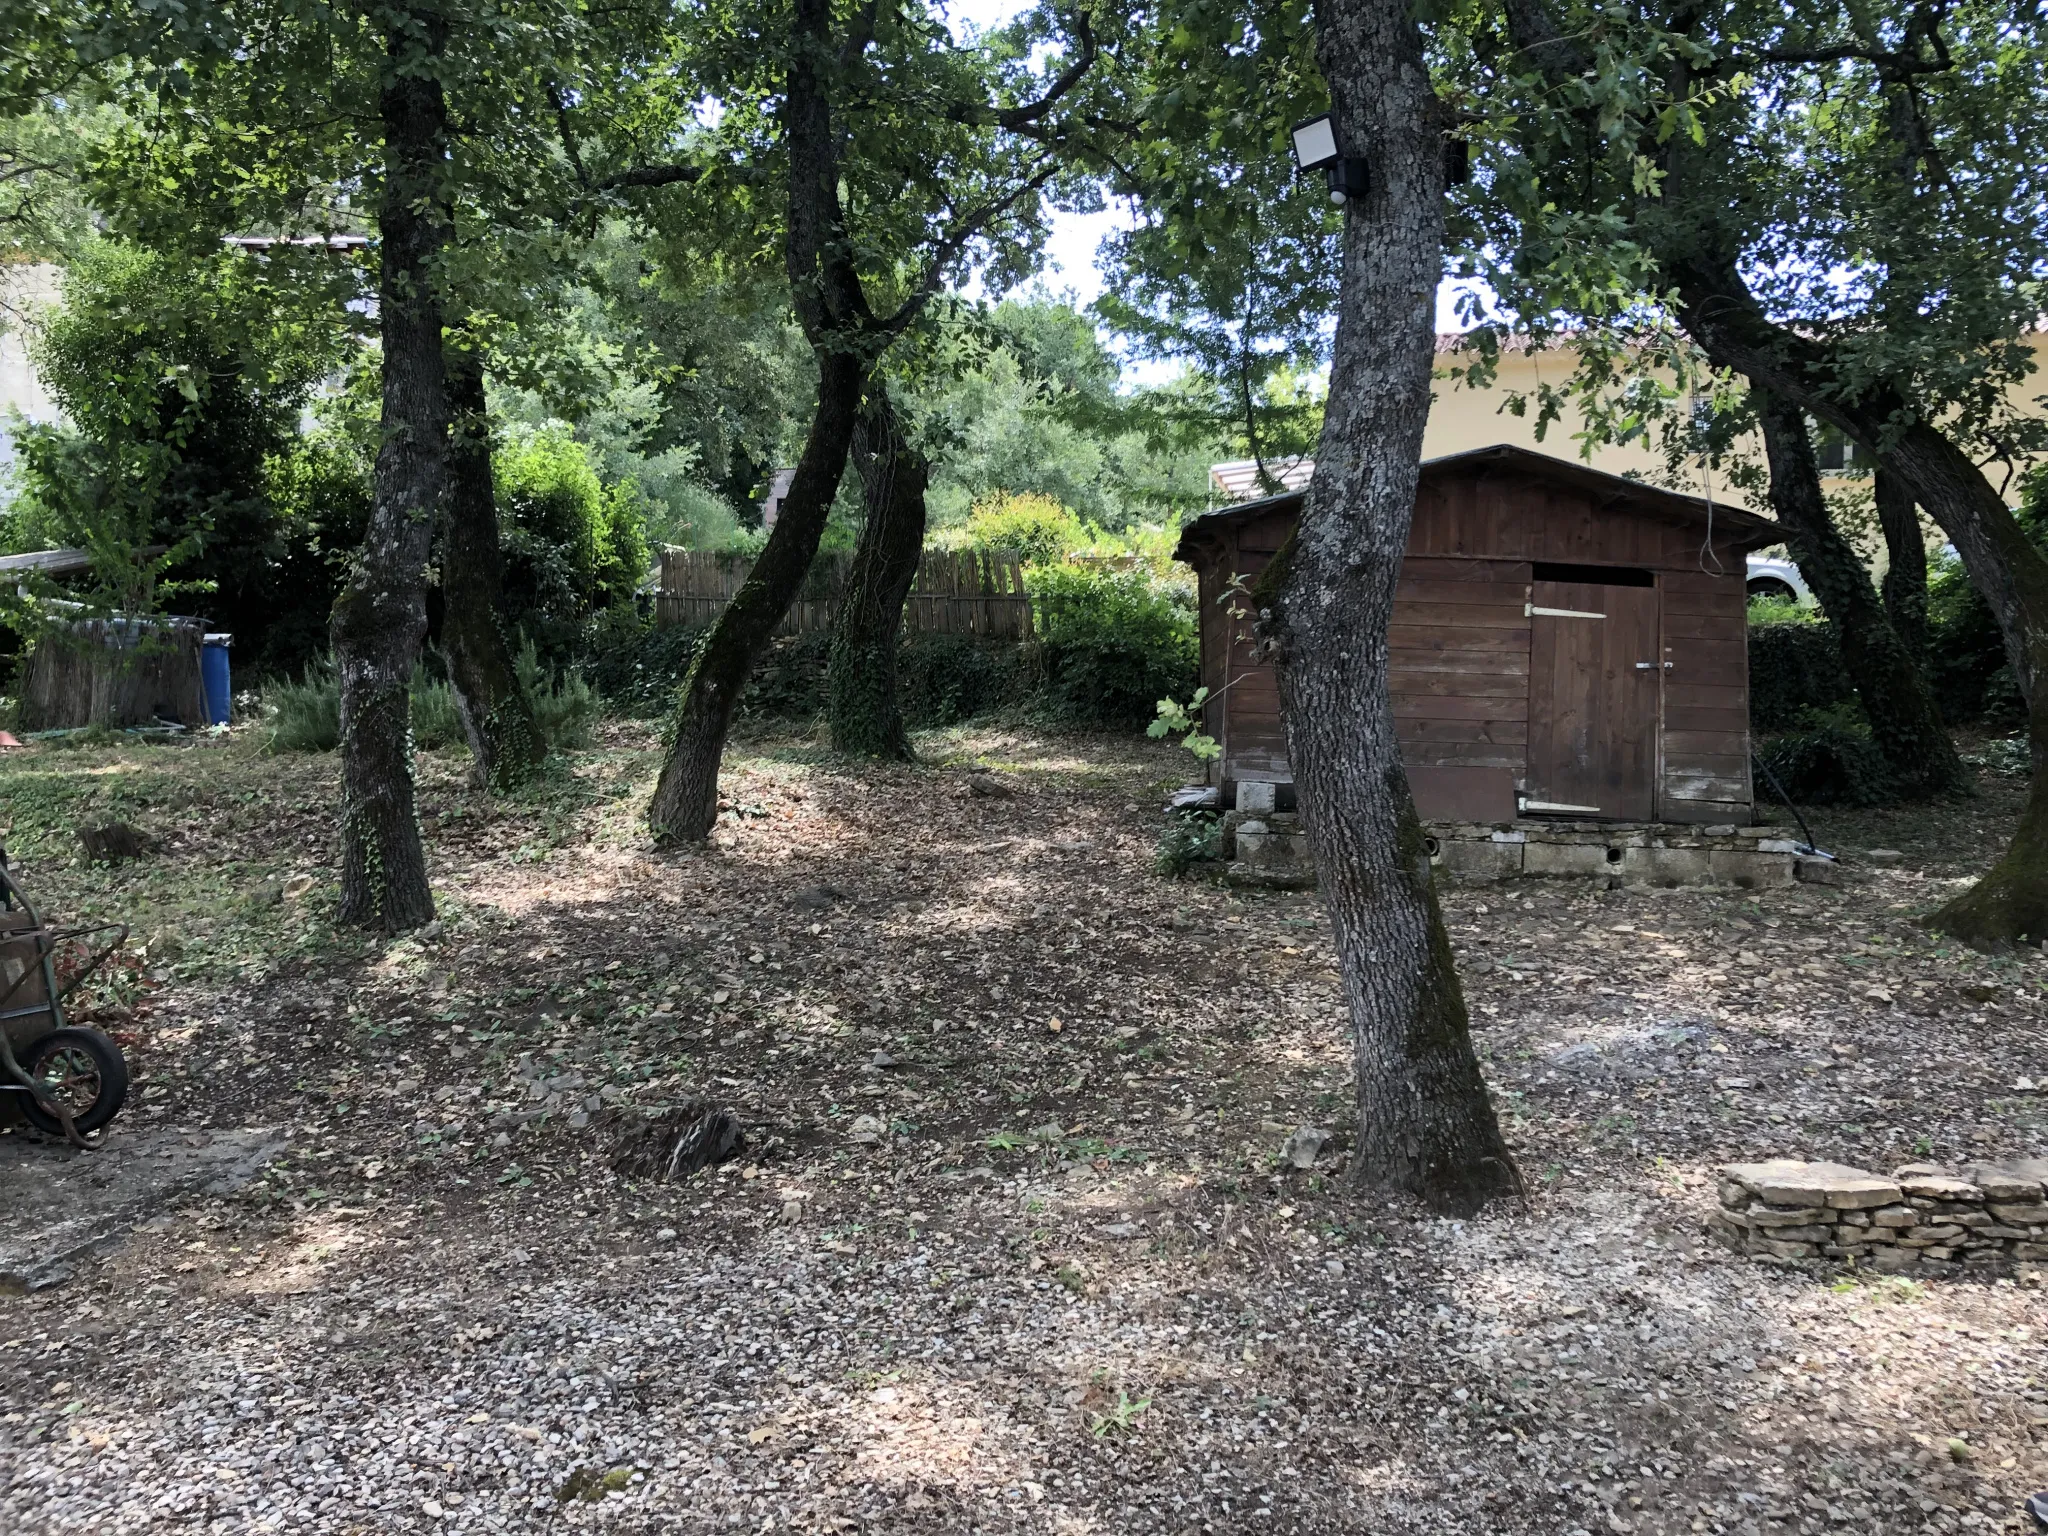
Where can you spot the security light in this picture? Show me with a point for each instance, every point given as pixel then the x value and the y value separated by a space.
pixel 1315 142
pixel 1315 149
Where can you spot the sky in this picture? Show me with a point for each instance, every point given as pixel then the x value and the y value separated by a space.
pixel 1074 238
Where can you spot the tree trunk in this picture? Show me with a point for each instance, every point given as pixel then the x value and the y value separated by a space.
pixel 1905 575
pixel 867 716
pixel 380 614
pixel 2008 571
pixel 497 716
pixel 686 798
pixel 1899 705
pixel 1425 1126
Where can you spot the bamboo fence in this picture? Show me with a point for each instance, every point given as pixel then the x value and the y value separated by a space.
pixel 957 592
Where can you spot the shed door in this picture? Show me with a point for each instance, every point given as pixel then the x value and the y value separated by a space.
pixel 1593 690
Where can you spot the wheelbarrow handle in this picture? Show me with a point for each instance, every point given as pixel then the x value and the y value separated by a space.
pixel 99 958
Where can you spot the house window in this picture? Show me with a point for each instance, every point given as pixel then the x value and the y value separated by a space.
pixel 1832 451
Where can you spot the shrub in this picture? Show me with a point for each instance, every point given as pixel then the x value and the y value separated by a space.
pixel 1113 643
pixel 1037 528
pixel 304 716
pixel 1793 668
pixel 573 547
pixel 1828 760
pixel 946 679
pixel 564 704
pixel 635 667
pixel 436 718
pixel 1190 838
pixel 1966 653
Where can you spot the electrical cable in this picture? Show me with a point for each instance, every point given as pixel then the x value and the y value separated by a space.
pixel 1807 832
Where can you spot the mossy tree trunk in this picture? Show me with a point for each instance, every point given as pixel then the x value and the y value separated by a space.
pixel 1905 575
pixel 497 717
pixel 1425 1125
pixel 685 803
pixel 380 614
pixel 1904 721
pixel 2007 569
pixel 866 712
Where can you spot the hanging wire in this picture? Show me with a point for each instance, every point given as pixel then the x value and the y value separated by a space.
pixel 1710 563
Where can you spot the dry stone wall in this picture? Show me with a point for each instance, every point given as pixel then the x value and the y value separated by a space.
pixel 1921 1220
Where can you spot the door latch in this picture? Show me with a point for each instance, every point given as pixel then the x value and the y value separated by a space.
pixel 1651 666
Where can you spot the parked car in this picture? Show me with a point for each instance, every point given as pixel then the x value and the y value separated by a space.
pixel 1775 577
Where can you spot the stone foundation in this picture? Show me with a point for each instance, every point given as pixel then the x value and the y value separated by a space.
pixel 1623 853
pixel 1268 847
pixel 1923 1220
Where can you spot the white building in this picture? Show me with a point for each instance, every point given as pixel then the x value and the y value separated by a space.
pixel 23 291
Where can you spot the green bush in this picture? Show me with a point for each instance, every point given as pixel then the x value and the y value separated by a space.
pixel 1829 759
pixel 564 704
pixel 1190 838
pixel 1966 653
pixel 635 668
pixel 573 546
pixel 305 715
pixel 1793 668
pixel 1036 528
pixel 947 679
pixel 1113 643
pixel 436 718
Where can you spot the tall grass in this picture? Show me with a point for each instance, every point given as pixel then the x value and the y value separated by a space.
pixel 304 715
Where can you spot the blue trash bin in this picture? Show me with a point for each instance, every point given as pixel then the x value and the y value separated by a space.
pixel 213 672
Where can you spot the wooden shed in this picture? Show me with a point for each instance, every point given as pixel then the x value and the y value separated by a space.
pixel 1564 643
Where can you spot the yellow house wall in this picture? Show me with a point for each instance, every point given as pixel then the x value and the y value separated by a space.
pixel 1462 418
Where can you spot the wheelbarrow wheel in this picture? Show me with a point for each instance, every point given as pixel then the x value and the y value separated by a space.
pixel 83 1070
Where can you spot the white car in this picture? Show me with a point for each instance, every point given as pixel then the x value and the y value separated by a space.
pixel 1773 576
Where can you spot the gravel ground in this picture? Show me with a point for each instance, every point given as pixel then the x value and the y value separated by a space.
pixel 1008 1248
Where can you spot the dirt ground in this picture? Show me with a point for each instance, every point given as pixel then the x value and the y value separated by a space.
pixel 1008 1249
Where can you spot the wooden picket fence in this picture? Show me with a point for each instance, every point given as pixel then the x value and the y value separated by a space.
pixel 957 592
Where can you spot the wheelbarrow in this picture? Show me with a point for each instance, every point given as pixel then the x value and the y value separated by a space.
pixel 64 1079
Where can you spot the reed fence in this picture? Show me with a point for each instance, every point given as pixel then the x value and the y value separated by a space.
pixel 957 592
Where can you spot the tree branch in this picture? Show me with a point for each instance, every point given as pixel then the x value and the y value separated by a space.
pixel 948 249
pixel 1017 119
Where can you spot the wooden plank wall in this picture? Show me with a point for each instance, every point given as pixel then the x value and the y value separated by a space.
pixel 1458 662
pixel 1254 739
pixel 956 592
pixel 1459 642
pixel 1704 776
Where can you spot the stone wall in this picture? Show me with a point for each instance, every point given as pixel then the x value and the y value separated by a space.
pixel 1922 1220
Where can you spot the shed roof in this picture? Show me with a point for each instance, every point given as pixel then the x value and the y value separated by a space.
pixel 1747 529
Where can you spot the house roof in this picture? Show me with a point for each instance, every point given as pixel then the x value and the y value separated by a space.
pixel 1748 530
pixel 1239 478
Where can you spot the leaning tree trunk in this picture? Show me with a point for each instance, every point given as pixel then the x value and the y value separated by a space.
pixel 2004 565
pixel 686 798
pixel 1899 705
pixel 867 715
pixel 497 716
pixel 1425 1126
pixel 1905 573
pixel 380 614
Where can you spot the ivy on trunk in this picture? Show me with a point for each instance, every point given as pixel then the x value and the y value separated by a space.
pixel 1896 699
pixel 1905 572
pixel 380 616
pixel 497 716
pixel 866 712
